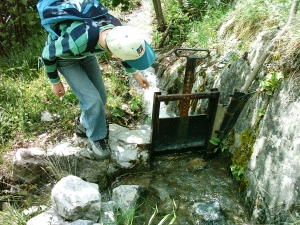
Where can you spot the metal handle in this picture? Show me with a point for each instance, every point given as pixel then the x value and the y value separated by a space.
pixel 177 52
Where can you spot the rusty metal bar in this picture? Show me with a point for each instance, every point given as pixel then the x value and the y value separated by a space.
pixel 198 95
pixel 189 77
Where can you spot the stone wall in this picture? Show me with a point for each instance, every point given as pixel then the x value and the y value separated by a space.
pixel 272 172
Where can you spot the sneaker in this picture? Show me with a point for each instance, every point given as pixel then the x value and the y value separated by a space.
pixel 100 149
pixel 80 129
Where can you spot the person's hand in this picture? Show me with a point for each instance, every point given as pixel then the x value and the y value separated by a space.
pixel 142 81
pixel 58 89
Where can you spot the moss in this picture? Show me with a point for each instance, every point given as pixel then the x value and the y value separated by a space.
pixel 241 156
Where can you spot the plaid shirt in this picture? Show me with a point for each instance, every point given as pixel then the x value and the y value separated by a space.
pixel 71 44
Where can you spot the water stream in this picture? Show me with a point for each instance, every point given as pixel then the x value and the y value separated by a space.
pixel 183 179
pixel 186 179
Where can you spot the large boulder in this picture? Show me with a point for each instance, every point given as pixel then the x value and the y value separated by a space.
pixel 73 199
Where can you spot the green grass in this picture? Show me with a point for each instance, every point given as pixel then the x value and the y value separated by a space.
pixel 12 216
pixel 251 17
pixel 22 103
pixel 25 93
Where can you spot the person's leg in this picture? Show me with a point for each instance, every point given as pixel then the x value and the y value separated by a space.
pixel 84 77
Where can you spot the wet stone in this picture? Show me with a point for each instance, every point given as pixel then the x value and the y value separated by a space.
pixel 196 164
pixel 209 213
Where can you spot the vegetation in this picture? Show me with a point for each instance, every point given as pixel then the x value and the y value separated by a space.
pixel 271 83
pixel 241 157
pixel 25 92
pixel 19 20
pixel 221 145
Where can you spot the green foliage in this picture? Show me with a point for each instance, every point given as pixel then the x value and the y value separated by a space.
pixel 12 216
pixel 241 157
pixel 127 215
pixel 136 105
pixel 261 112
pixel 121 97
pixel 237 171
pixel 232 56
pixel 193 22
pixel 124 5
pixel 22 104
pixel 222 145
pixel 19 21
pixel 23 62
pixel 250 17
pixel 271 83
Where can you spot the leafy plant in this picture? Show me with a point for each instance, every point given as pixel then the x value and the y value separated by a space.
pixel 237 171
pixel 220 144
pixel 261 112
pixel 136 104
pixel 117 112
pixel 271 83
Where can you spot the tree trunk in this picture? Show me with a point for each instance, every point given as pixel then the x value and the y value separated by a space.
pixel 262 59
pixel 159 16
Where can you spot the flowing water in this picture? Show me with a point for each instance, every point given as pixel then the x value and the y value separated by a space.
pixel 186 179
pixel 178 182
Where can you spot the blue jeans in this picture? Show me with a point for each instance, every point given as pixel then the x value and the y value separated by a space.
pixel 85 79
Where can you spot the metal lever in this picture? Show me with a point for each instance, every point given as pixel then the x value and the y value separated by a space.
pixel 177 52
pixel 189 75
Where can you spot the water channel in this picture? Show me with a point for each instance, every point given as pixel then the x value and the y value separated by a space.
pixel 187 180
pixel 184 180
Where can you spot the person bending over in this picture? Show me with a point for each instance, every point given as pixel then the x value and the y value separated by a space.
pixel 73 55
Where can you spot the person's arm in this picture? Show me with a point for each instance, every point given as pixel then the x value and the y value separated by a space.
pixel 52 73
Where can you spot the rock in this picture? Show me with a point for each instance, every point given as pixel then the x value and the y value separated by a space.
pixel 127 196
pixel 65 159
pixel 82 222
pixel 196 164
pixel 73 199
pixel 274 165
pixel 35 165
pixel 107 212
pixel 166 204
pixel 129 153
pixel 209 213
pixel 29 165
pixel 34 209
pixel 128 150
pixel 46 218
